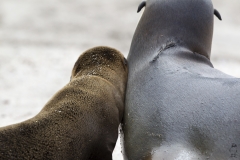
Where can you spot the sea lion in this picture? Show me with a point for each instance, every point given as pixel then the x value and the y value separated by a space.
pixel 178 107
pixel 81 120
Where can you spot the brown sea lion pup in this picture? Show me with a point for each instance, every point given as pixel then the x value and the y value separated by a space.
pixel 81 120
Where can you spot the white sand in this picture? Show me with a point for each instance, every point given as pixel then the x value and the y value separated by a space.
pixel 41 39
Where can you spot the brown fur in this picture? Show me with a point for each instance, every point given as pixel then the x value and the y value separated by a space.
pixel 81 120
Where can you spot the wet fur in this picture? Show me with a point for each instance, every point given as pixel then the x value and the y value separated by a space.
pixel 81 120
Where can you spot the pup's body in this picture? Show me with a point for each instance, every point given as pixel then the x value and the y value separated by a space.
pixel 81 120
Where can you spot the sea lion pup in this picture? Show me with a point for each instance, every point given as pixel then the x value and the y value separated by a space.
pixel 81 120
pixel 178 107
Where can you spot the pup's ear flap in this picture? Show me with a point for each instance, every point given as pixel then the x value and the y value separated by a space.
pixel 143 4
pixel 217 14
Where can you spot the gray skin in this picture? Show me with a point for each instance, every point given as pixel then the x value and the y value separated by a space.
pixel 178 107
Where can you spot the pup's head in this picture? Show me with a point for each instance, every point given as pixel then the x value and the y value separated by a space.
pixel 102 61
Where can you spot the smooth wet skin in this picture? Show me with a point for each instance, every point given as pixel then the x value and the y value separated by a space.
pixel 178 107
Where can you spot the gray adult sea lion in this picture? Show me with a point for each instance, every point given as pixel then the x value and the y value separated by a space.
pixel 178 107
pixel 81 120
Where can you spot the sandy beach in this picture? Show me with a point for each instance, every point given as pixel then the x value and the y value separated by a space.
pixel 40 40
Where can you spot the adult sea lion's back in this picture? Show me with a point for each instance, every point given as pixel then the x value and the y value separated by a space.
pixel 177 105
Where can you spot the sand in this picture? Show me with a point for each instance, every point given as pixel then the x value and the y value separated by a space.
pixel 41 39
